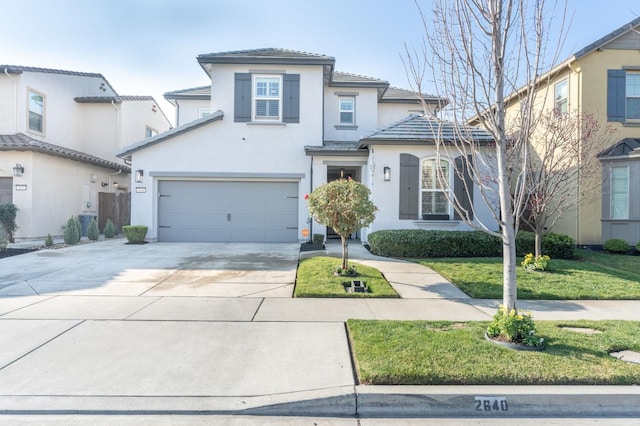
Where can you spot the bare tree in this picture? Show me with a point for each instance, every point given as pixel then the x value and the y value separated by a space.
pixel 478 52
pixel 562 173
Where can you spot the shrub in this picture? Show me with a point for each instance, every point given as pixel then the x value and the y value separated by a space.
pixel 93 233
pixel 110 230
pixel 135 233
pixel 616 245
pixel 533 263
pixel 4 240
pixel 49 241
pixel 638 246
pixel 318 238
pixel 71 233
pixel 423 243
pixel 515 327
pixel 8 213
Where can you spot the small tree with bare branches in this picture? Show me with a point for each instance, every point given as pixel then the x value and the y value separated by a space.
pixel 561 172
pixel 478 52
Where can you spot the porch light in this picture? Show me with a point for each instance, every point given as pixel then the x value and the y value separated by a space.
pixel 139 175
pixel 387 173
pixel 18 170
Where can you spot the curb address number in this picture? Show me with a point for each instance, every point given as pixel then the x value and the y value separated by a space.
pixel 491 403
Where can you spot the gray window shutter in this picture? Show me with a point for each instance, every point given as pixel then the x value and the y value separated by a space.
pixel 616 95
pixel 460 187
pixel 409 186
pixel 291 98
pixel 242 104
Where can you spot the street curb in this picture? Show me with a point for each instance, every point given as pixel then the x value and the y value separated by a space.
pixel 497 401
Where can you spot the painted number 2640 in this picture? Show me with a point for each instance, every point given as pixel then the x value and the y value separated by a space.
pixel 491 403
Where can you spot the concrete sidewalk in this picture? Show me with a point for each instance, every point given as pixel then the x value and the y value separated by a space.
pixel 114 329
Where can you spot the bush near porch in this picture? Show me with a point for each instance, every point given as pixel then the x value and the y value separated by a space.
pixel 418 243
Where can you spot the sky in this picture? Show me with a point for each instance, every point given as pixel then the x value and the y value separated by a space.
pixel 149 47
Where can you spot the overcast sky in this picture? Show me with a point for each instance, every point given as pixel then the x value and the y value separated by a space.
pixel 148 47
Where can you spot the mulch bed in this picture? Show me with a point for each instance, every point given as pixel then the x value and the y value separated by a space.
pixel 14 252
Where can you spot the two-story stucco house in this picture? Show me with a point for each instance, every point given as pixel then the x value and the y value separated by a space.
pixel 602 79
pixel 273 125
pixel 59 132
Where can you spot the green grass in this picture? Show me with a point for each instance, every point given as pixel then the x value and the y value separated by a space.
pixel 593 275
pixel 428 353
pixel 315 279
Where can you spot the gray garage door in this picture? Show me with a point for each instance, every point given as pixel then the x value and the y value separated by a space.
pixel 228 211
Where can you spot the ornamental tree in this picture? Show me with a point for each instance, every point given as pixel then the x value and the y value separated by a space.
pixel 343 205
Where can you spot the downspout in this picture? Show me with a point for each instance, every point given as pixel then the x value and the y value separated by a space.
pixel 311 189
pixel 579 101
pixel 113 104
pixel 15 98
pixel 177 113
pixel 113 174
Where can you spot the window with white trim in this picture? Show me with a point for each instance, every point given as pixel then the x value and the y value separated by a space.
pixel 267 97
pixel 620 192
pixel 36 111
pixel 347 110
pixel 434 183
pixel 633 95
pixel 561 97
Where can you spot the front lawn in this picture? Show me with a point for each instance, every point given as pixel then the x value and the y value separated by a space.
pixel 594 275
pixel 315 279
pixel 439 353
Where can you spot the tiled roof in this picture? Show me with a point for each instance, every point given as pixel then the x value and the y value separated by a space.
pixel 18 69
pixel 22 142
pixel 97 99
pixel 192 125
pixel 395 94
pixel 418 129
pixel 603 40
pixel 109 99
pixel 265 56
pixel 621 149
pixel 265 52
pixel 201 92
pixel 336 148
pixel 347 78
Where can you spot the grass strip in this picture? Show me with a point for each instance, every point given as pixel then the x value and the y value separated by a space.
pixel 315 279
pixel 591 276
pixel 455 353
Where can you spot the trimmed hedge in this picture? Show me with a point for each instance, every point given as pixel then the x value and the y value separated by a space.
pixel 135 233
pixel 420 243
pixel 616 245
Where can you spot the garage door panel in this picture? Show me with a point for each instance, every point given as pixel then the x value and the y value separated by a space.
pixel 228 211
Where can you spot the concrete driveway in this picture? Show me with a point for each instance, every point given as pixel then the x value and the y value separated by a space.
pixel 159 269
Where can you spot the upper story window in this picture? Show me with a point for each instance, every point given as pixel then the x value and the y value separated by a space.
pixel 149 132
pixel 267 96
pixel 204 111
pixel 36 112
pixel 434 184
pixel 633 95
pixel 623 96
pixel 619 192
pixel 561 97
pixel 347 108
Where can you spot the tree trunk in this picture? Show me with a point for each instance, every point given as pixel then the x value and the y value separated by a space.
pixel 345 252
pixel 538 244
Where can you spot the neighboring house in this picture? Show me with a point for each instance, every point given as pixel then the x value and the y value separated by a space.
pixel 602 79
pixel 59 132
pixel 281 123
